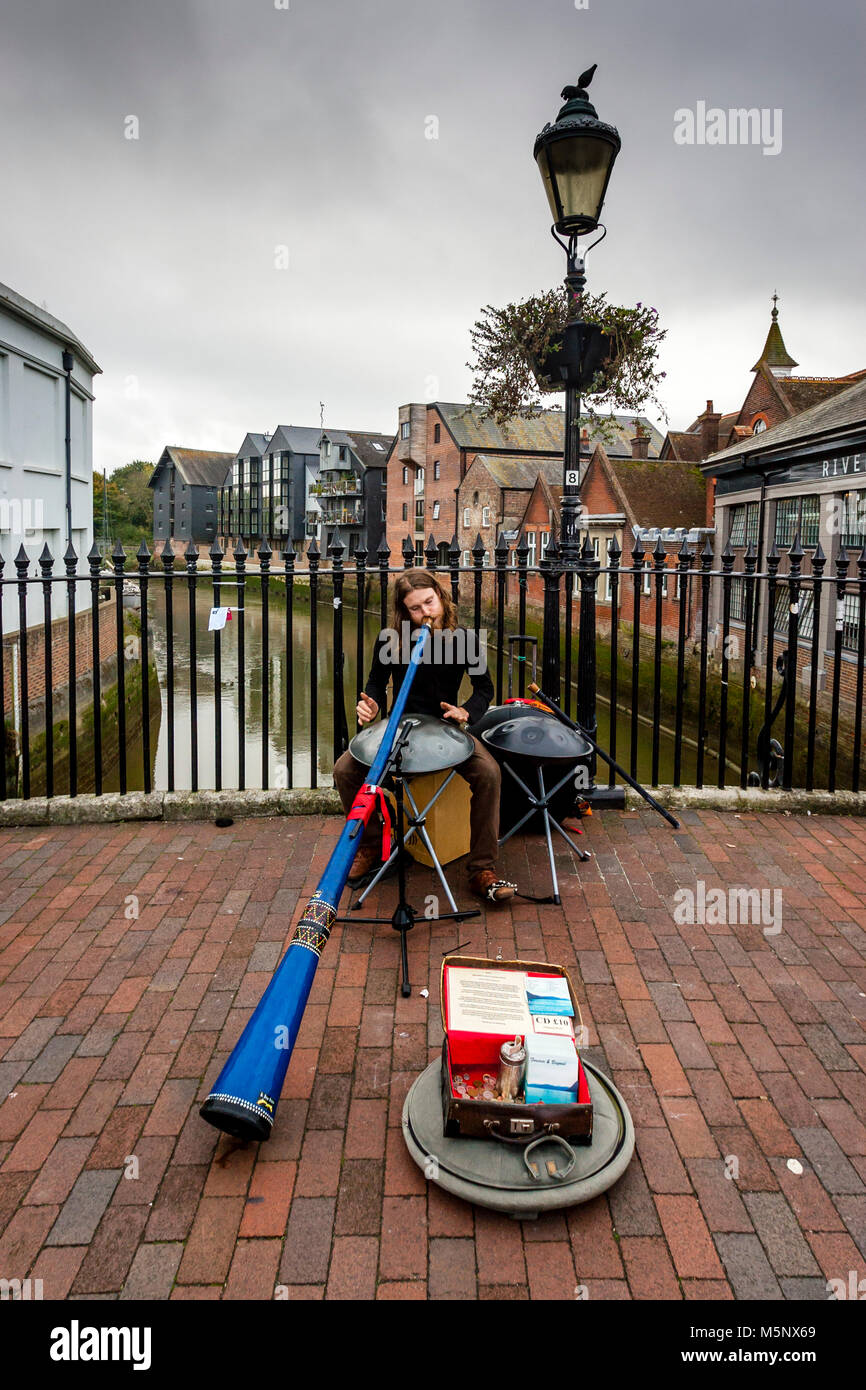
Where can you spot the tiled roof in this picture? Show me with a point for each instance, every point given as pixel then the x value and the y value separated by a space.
pixel 199 467
pixel 511 471
pixel 372 449
pixel 664 494
pixel 686 445
pixel 805 391
pixel 301 439
pixel 843 411
pixel 543 434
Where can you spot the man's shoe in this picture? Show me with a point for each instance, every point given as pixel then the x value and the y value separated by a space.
pixel 486 885
pixel 367 859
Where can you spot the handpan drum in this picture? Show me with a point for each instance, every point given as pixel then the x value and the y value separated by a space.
pixel 434 745
pixel 527 739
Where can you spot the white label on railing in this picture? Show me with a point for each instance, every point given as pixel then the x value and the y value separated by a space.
pixel 572 477
pixel 795 608
pixel 217 619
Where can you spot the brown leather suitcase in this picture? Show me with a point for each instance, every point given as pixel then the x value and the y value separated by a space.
pixel 507 1121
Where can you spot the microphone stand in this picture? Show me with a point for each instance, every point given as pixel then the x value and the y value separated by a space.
pixel 404 916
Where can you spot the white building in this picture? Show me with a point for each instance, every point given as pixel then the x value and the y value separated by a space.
pixel 46 449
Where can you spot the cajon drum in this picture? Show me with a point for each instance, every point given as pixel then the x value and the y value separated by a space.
pixel 447 823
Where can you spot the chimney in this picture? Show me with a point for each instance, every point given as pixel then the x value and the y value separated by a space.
pixel 584 440
pixel 640 442
pixel 709 423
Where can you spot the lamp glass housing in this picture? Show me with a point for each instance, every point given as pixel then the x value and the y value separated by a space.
pixel 575 169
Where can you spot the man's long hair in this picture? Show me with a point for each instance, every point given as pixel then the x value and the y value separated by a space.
pixel 410 580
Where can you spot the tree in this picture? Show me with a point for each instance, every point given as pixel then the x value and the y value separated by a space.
pixel 130 503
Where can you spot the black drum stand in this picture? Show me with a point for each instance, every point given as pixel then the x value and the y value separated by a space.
pixel 404 915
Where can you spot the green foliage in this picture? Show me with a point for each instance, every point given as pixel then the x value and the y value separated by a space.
pixel 130 504
pixel 506 341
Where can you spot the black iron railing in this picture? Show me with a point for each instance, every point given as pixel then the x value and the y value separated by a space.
pixel 689 661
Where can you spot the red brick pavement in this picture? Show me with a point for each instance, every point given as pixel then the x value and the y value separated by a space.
pixel 132 955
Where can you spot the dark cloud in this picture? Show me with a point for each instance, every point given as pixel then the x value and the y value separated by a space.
pixel 263 128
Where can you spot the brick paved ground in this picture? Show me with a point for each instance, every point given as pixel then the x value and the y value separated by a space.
pixel 727 1044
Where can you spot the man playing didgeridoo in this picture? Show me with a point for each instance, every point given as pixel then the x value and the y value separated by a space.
pixel 419 597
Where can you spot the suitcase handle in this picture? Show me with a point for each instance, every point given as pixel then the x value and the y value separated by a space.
pixel 548 1132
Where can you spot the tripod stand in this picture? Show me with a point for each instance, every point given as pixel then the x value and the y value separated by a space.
pixel 541 803
pixel 404 916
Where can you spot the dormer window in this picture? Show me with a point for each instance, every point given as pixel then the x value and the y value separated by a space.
pixel 404 430
pixel 759 425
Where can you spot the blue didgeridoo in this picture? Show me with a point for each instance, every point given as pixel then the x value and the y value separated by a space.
pixel 244 1099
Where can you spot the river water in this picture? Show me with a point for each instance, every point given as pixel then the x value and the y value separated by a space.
pixel 297 664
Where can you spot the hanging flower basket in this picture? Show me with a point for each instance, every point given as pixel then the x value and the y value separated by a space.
pixel 530 349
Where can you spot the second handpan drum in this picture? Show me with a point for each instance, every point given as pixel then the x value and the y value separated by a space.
pixel 528 739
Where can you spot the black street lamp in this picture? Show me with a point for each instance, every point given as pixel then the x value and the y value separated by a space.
pixel 575 156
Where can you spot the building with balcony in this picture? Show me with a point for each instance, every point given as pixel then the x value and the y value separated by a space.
pixel 264 493
pixel 302 483
pixel 350 488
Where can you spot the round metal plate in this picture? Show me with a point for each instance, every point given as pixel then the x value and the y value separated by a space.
pixel 494 1175
pixel 537 736
pixel 433 745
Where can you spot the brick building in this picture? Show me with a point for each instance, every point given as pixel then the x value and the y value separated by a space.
pixel 773 396
pixel 622 498
pixel 451 472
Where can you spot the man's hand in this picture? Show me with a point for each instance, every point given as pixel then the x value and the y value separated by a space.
pixel 455 712
pixel 366 709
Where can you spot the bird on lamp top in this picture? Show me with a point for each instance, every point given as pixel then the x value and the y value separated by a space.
pixel 582 82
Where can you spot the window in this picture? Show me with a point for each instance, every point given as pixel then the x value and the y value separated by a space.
pixel 405 474
pixel 435 511
pixel 854 519
pixel 419 510
pixel 436 437
pixel 475 499
pixel 466 521
pixel 436 469
pixel 744 524
pixel 530 541
pixel 419 554
pixel 738 600
pixel 798 514
pixel 759 425
pixel 419 480
pixel 783 609
pixel 485 516
pixel 543 543
pixel 404 430
pixel 466 559
pixel 344 453
pixel 647 571
pixel 851 622
pixel 405 511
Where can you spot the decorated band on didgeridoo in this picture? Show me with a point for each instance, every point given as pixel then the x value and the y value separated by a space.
pixel 453 653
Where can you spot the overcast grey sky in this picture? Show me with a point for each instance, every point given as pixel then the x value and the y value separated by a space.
pixel 261 128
